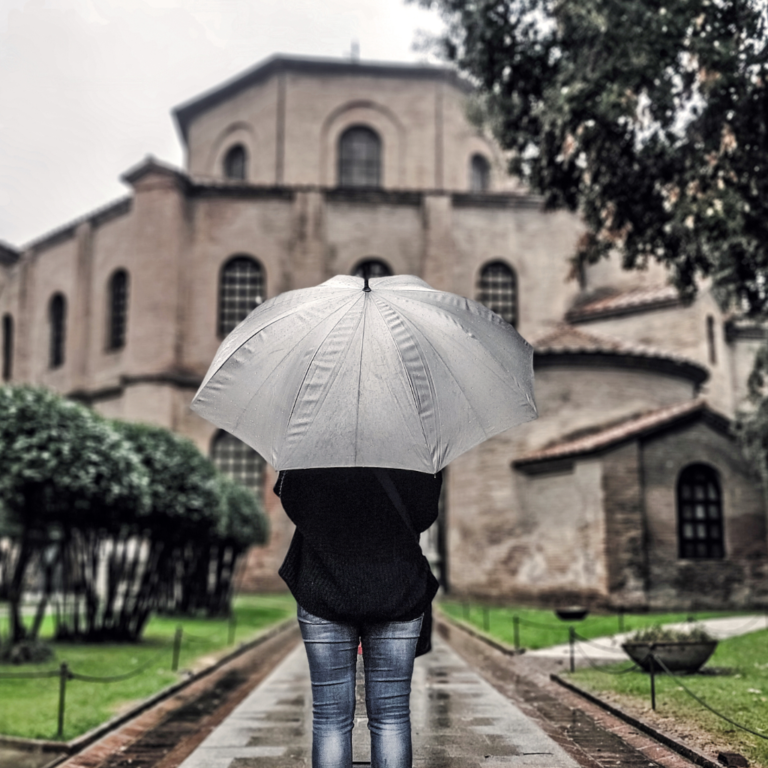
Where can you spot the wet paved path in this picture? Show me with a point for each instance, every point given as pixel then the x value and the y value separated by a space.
pixel 458 721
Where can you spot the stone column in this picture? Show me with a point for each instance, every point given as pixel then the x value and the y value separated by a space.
pixel 438 256
pixel 307 265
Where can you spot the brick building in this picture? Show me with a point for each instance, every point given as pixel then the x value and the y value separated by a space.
pixel 628 490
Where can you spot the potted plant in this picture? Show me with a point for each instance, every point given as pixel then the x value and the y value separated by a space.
pixel 679 650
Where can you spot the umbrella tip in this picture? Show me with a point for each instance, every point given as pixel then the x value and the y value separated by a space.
pixel 365 287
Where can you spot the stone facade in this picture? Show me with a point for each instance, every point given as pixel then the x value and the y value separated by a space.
pixel 593 526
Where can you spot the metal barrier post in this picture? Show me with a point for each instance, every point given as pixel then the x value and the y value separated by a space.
pixel 516 631
pixel 653 679
pixel 176 648
pixel 63 677
pixel 232 627
pixel 572 642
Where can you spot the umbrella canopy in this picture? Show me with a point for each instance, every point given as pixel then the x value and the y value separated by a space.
pixel 400 375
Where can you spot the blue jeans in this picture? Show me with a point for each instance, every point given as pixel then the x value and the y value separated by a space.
pixel 388 651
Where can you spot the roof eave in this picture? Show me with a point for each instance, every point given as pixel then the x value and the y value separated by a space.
pixel 702 411
pixel 602 358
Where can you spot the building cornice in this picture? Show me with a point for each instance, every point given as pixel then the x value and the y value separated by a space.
pixel 177 379
pixel 8 254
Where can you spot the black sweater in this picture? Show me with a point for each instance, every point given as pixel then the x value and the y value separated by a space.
pixel 352 558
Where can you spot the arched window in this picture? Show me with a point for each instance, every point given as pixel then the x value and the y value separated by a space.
pixel 7 347
pixel 359 158
pixel 117 312
pixel 57 318
pixel 241 289
pixel 235 162
pixel 238 460
pixel 699 513
pixel 497 289
pixel 372 268
pixel 479 174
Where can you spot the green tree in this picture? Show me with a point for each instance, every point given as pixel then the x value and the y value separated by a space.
pixel 648 118
pixel 197 526
pixel 67 483
pixel 242 524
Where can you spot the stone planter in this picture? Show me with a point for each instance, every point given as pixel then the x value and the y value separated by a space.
pixel 683 656
pixel 574 613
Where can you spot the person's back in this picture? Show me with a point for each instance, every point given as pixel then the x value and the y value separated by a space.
pixel 358 575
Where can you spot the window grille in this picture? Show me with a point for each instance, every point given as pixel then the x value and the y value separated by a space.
pixel 118 309
pixel 479 174
pixel 372 268
pixel 7 347
pixel 699 513
pixel 239 461
pixel 497 290
pixel 241 289
pixel 57 315
pixel 359 158
pixel 235 162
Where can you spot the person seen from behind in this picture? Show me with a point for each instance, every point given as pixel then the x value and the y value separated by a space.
pixel 358 575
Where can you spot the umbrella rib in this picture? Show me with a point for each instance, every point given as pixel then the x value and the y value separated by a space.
pixel 287 313
pixel 448 370
pixel 407 374
pixel 316 352
pixel 495 374
pixel 304 378
pixel 359 375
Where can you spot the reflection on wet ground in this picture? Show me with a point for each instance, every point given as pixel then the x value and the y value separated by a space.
pixel 458 721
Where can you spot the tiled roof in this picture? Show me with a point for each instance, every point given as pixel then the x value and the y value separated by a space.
pixel 616 433
pixel 636 300
pixel 97 216
pixel 566 338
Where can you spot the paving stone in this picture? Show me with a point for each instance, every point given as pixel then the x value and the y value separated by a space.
pixel 458 721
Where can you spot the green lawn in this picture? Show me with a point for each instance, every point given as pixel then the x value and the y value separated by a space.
pixel 734 682
pixel 541 628
pixel 29 708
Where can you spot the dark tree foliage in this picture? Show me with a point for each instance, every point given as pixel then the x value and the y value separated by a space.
pixel 110 521
pixel 198 524
pixel 648 118
pixel 67 483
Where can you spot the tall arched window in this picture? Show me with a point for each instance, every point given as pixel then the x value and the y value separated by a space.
pixel 699 513
pixel 372 268
pixel 497 289
pixel 359 158
pixel 57 319
pixel 238 460
pixel 241 289
pixel 479 174
pixel 235 163
pixel 7 347
pixel 117 311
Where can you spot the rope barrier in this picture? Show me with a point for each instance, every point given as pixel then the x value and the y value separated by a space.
pixel 607 671
pixel 117 678
pixel 704 703
pixel 28 675
pixel 201 638
pixel 596 645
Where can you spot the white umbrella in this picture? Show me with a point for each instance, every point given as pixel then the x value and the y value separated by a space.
pixel 399 375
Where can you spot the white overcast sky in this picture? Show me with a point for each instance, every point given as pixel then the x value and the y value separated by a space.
pixel 86 86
